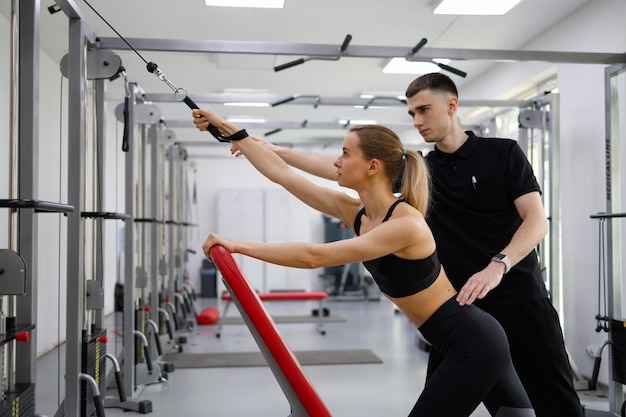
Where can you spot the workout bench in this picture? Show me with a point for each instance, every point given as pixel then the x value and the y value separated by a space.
pixel 282 296
pixel 302 397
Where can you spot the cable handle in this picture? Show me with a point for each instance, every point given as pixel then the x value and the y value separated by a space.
pixel 126 134
pixel 154 69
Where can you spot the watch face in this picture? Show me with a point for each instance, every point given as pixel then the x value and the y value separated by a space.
pixel 499 256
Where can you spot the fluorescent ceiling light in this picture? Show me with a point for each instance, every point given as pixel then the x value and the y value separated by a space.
pixel 402 66
pixel 394 95
pixel 475 7
pixel 245 91
pixel 266 4
pixel 238 104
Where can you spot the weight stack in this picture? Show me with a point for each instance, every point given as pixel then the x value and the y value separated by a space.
pixel 618 347
pixel 21 403
pixel 94 351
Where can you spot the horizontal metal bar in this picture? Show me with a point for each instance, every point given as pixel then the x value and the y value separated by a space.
pixel 284 125
pixel 607 215
pixel 39 205
pixel 313 101
pixel 359 51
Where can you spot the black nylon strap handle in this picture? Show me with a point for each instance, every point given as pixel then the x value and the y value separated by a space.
pixel 126 126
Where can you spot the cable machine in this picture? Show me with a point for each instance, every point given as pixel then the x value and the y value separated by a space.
pixel 178 223
pixel 18 263
pixel 160 139
pixel 86 335
pixel 612 229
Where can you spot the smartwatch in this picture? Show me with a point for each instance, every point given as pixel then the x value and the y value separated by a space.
pixel 503 259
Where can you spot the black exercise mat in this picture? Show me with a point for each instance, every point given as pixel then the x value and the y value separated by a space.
pixel 247 359
pixel 289 319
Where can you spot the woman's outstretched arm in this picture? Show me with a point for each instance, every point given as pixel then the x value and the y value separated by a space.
pixel 318 165
pixel 268 163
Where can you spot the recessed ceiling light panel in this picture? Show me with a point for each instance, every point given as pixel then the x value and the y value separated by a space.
pixel 265 4
pixel 402 66
pixel 475 7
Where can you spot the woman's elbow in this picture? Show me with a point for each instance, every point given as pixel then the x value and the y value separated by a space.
pixel 314 260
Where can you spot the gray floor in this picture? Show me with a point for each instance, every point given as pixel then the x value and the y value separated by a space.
pixel 376 390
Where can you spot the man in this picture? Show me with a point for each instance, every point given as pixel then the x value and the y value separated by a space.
pixel 487 217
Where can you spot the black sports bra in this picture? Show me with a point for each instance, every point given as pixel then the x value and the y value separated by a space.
pixel 399 277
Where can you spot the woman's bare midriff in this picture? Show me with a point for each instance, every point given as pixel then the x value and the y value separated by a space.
pixel 419 307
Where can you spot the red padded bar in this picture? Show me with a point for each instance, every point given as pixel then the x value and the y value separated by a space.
pixel 264 325
pixel 285 296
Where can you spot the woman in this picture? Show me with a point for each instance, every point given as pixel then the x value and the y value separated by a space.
pixel 396 246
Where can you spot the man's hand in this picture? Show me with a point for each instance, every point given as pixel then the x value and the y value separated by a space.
pixel 478 285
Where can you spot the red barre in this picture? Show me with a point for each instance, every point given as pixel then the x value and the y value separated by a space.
pixel 302 396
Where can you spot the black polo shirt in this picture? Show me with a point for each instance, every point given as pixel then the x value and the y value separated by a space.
pixel 473 216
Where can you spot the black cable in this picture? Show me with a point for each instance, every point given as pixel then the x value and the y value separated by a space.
pixel 153 68
pixel 116 32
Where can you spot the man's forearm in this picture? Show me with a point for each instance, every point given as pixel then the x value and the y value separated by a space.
pixel 318 165
pixel 526 238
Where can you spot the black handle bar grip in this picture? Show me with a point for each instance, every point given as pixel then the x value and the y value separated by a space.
pixel 126 125
pixel 345 43
pixel 452 69
pixel 157 341
pixel 593 383
pixel 283 101
pixel 175 320
pixel 119 382
pixel 271 132
pixel 170 331
pixel 97 401
pixel 419 46
pixel 146 353
pixel 289 64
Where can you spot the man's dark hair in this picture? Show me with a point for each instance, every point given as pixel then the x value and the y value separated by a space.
pixel 434 81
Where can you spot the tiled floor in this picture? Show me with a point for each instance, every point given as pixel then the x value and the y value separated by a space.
pixel 371 390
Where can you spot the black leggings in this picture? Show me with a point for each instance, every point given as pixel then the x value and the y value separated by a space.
pixel 476 366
